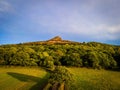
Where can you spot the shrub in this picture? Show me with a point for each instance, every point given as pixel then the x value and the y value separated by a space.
pixel 60 75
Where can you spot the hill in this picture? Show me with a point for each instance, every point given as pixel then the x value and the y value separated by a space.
pixel 54 40
pixel 56 52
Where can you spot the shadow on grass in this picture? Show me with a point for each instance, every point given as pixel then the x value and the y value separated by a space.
pixel 41 82
pixel 114 69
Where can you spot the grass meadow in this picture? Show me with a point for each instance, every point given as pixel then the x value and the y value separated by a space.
pixel 22 78
pixel 90 79
pixel 26 78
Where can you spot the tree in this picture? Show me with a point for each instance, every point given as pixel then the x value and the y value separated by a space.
pixel 107 61
pixel 93 59
pixel 9 53
pixel 27 49
pixel 57 55
pixel 48 62
pixel 22 58
pixel 117 56
pixel 2 53
pixel 72 59
pixel 60 75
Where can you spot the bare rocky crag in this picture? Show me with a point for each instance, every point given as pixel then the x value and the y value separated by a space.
pixel 55 40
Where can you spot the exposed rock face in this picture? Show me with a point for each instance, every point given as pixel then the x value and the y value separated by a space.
pixel 57 38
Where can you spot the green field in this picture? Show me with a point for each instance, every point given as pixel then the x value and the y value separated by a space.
pixel 90 79
pixel 22 78
pixel 26 78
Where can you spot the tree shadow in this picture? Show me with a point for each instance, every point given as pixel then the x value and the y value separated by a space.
pixel 41 82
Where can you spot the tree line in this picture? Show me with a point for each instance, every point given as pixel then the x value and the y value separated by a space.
pixel 91 55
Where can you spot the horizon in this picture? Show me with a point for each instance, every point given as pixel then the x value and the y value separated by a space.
pixel 61 39
pixel 75 20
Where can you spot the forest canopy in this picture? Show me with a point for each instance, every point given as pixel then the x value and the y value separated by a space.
pixel 91 55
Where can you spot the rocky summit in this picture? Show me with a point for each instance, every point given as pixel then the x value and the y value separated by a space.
pixel 54 40
pixel 57 38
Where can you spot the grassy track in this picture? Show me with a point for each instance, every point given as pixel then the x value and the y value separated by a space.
pixel 89 79
pixel 22 78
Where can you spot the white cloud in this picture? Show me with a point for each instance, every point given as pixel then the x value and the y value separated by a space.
pixel 113 29
pixel 81 26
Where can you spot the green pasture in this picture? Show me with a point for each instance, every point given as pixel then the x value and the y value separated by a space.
pixel 26 78
pixel 22 78
pixel 90 79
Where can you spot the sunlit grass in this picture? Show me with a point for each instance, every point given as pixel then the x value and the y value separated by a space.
pixel 90 79
pixel 22 78
pixel 25 78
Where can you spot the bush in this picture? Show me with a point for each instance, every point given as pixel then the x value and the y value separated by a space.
pixel 60 75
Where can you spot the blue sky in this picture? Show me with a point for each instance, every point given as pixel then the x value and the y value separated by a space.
pixel 76 20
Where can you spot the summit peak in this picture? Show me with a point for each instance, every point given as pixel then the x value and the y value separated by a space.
pixel 56 38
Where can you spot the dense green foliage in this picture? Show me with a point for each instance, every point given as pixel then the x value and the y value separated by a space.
pixel 94 55
pixel 60 79
pixel 60 75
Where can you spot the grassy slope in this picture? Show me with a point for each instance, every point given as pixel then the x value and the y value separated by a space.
pixel 89 79
pixel 22 78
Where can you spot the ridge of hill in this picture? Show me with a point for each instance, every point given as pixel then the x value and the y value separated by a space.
pixel 54 40
pixel 57 40
pixel 61 52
